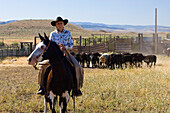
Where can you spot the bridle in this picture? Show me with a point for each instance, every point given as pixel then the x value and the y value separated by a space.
pixel 41 55
pixel 45 49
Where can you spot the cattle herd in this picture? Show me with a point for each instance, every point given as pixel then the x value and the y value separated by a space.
pixel 113 61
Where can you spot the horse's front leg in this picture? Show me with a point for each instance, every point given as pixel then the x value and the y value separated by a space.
pixel 63 101
pixel 45 104
pixel 52 100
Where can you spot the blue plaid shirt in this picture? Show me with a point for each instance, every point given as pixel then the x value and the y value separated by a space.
pixel 63 37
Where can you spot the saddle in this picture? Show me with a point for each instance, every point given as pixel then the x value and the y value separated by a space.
pixel 45 62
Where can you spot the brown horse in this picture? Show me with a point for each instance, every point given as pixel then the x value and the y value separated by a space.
pixel 61 82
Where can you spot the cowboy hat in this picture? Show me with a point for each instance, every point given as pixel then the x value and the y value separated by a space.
pixel 53 23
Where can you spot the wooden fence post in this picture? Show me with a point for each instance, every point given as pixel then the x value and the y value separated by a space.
pixel 89 44
pixel 141 43
pixel 140 37
pixel 114 43
pixel 89 41
pixel 16 52
pixel 80 40
pixel 35 42
pixel 2 53
pixel 30 48
pixel 153 43
pixel 80 46
pixel 12 52
pixel 104 39
pixel 7 51
pixel 85 42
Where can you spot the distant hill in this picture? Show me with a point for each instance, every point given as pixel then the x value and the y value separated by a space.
pixel 27 29
pixel 128 28
pixel 109 28
pixel 31 28
pixel 5 22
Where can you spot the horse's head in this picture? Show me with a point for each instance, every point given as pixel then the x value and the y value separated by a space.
pixel 40 48
pixel 53 53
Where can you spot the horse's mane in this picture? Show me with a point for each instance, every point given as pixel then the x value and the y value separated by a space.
pixel 56 47
pixel 53 51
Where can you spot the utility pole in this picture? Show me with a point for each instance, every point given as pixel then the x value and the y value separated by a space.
pixel 156 34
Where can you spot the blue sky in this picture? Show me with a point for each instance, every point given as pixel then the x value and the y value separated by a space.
pixel 123 12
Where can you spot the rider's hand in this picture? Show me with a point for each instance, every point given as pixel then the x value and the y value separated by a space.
pixel 62 47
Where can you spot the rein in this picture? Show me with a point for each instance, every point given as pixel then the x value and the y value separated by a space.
pixel 68 59
pixel 45 49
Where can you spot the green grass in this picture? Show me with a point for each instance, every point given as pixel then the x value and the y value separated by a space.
pixel 104 91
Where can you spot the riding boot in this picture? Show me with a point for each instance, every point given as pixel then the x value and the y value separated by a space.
pixel 76 91
pixel 43 66
pixel 42 89
pixel 77 76
pixel 41 80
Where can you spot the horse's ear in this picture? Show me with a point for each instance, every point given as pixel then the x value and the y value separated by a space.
pixel 46 37
pixel 42 38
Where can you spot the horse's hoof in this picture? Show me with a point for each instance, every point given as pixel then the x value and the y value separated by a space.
pixel 40 92
pixel 78 93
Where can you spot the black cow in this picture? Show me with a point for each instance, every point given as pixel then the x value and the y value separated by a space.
pixel 83 59
pixel 88 59
pixel 137 59
pixel 78 58
pixel 140 59
pixel 134 59
pixel 95 59
pixel 112 61
pixel 150 59
pixel 119 60
pixel 127 58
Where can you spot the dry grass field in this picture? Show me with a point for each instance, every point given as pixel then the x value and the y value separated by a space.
pixel 105 91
